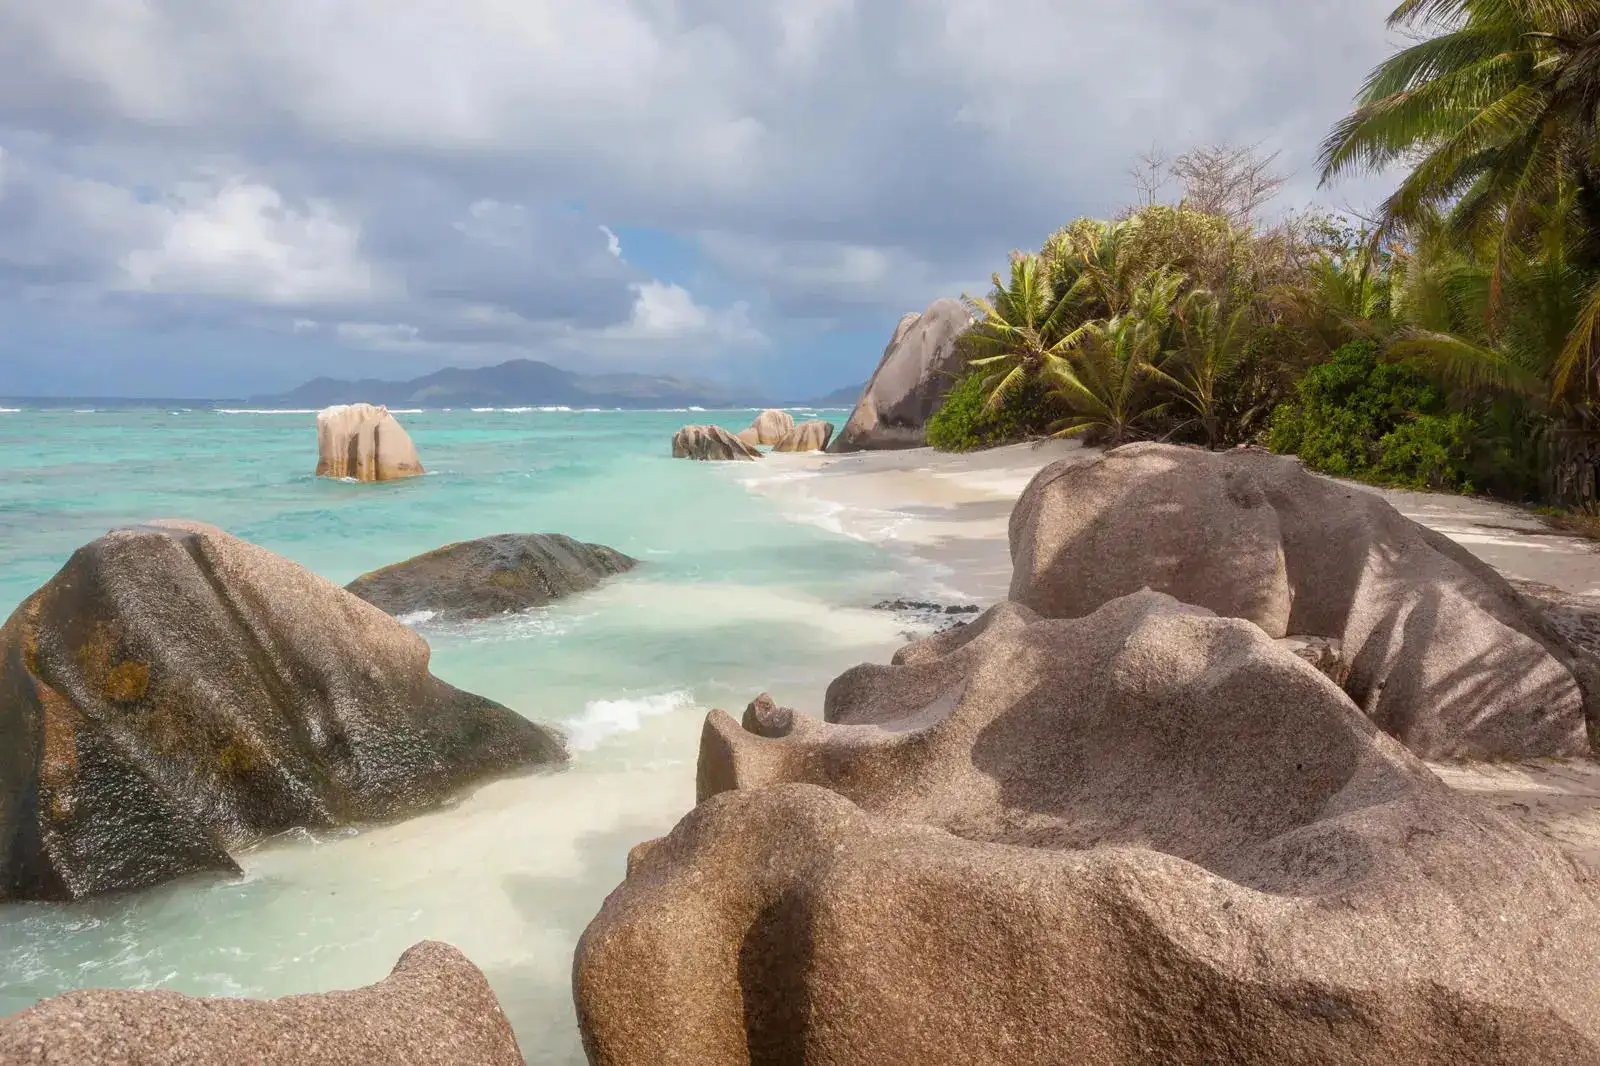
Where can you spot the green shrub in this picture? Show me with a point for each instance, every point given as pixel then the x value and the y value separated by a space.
pixel 1429 452
pixel 962 425
pixel 1359 416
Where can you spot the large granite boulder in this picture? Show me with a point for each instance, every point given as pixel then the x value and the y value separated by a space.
pixel 490 575
pixel 812 436
pixel 712 444
pixel 365 443
pixel 175 693
pixel 916 372
pixel 1146 836
pixel 434 1009
pixel 1441 651
pixel 769 428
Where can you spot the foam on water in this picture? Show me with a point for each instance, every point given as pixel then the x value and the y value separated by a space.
pixel 602 719
pixel 415 618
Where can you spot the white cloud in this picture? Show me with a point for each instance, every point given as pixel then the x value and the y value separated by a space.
pixel 494 223
pixel 241 240
pixel 665 312
pixel 444 164
pixel 834 273
pixel 381 336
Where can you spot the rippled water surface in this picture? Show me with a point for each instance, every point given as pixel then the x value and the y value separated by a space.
pixel 733 599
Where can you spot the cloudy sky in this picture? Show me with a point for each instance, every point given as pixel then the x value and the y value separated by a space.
pixel 226 197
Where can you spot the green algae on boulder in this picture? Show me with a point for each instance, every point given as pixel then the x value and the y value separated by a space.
pixel 490 575
pixel 175 693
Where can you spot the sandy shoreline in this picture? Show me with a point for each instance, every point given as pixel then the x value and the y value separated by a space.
pixel 947 516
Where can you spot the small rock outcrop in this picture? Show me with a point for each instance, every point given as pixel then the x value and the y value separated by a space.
pixel 175 693
pixel 711 443
pixel 1325 653
pixel 1148 835
pixel 769 428
pixel 365 443
pixel 812 436
pixel 915 374
pixel 434 1009
pixel 490 575
pixel 1441 651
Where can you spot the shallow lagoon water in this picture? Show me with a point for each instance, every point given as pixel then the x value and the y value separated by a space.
pixel 734 598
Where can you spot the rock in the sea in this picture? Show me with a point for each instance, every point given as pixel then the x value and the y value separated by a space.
pixel 364 442
pixel 1442 652
pixel 769 428
pixel 490 575
pixel 174 693
pixel 916 372
pixel 1145 836
pixel 711 443
pixel 812 436
pixel 434 1009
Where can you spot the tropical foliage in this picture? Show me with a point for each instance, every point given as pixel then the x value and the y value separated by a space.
pixel 1170 323
pixel 1451 342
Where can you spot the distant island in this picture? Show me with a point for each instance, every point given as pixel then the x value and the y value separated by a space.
pixel 845 397
pixel 528 382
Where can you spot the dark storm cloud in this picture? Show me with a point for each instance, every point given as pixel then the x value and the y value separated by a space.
pixel 392 180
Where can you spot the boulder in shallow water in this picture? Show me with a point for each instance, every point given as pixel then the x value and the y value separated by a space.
pixel 1149 836
pixel 812 436
pixel 175 693
pixel 490 575
pixel 365 443
pixel 1441 651
pixel 434 1009
pixel 921 363
pixel 710 443
pixel 769 428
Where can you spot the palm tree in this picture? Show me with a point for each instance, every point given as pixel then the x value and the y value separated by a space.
pixel 1110 383
pixel 1501 112
pixel 1497 327
pixel 1214 339
pixel 1020 334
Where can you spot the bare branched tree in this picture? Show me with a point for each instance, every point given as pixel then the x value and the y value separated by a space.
pixel 1234 182
pixel 1150 174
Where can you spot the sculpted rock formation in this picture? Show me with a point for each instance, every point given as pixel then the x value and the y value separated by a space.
pixel 917 370
pixel 434 1009
pixel 812 436
pixel 711 443
pixel 769 428
pixel 1441 652
pixel 174 693
pixel 491 575
pixel 364 442
pixel 1147 836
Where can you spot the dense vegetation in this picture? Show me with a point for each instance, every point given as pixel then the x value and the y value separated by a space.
pixel 1449 342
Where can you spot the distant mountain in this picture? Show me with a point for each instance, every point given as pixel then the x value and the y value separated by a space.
pixel 845 397
pixel 519 383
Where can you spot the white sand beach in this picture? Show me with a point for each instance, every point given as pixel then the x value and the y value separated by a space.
pixel 949 513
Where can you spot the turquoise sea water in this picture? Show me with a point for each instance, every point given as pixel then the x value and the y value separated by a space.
pixel 734 598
